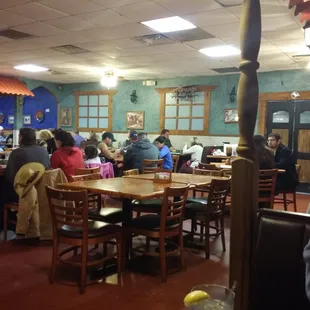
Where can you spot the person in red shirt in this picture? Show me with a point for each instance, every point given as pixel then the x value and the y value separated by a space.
pixel 67 157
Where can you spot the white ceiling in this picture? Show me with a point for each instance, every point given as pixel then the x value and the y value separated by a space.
pixel 106 27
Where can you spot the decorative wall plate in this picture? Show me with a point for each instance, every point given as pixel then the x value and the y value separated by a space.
pixel 11 119
pixel 40 116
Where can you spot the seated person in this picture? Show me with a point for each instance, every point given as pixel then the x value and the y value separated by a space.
pixel 106 143
pixel 140 150
pixel 132 138
pixel 27 152
pixel 9 141
pixel 165 135
pixel 164 153
pixel 283 160
pixel 196 152
pixel 2 138
pixel 68 157
pixel 47 136
pixel 91 156
pixel 93 136
pixel 265 155
pixel 78 139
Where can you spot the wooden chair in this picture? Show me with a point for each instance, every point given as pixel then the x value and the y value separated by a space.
pixel 86 177
pixel 131 172
pixel 214 173
pixel 175 160
pixel 207 166
pixel 284 194
pixel 203 210
pixel 6 221
pixel 82 171
pixel 266 187
pixel 151 165
pixel 71 226
pixel 161 227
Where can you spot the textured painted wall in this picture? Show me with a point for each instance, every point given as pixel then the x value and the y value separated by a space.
pixel 149 100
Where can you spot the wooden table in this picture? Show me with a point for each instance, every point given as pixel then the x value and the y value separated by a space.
pixel 183 178
pixel 217 158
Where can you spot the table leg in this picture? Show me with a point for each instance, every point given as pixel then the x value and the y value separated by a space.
pixel 127 210
pixel 127 240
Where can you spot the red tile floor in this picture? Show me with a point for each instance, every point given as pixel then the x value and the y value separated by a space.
pixel 24 281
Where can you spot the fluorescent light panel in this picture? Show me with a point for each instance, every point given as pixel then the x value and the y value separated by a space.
pixel 169 24
pixel 220 51
pixel 31 68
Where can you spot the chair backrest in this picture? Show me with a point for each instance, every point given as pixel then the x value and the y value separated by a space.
pixel 86 177
pixel 82 171
pixel 68 208
pixel 151 165
pixel 175 160
pixel 278 269
pixel 172 208
pixel 207 166
pixel 217 194
pixel 267 185
pixel 214 173
pixel 207 150
pixel 131 172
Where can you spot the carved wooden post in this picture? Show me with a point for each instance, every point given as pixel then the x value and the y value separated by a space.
pixel 245 170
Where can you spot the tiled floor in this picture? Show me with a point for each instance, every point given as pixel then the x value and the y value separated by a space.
pixel 24 283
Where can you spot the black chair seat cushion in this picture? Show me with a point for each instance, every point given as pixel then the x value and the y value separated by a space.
pixel 198 206
pixel 199 200
pixel 95 229
pixel 150 222
pixel 108 215
pixel 148 205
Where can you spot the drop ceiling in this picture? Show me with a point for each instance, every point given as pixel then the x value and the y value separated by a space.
pixel 110 32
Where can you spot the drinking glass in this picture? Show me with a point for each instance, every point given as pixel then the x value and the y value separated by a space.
pixel 221 298
pixel 228 150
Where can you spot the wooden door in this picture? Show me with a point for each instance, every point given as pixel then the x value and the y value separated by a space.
pixel 280 119
pixel 302 139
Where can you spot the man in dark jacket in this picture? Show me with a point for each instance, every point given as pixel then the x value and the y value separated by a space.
pixel 165 135
pixel 283 160
pixel 138 151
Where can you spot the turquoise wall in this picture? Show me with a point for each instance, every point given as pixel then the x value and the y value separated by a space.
pixel 149 99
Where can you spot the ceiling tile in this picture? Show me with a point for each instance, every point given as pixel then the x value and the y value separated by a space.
pixel 36 11
pixel 69 23
pixel 199 44
pixel 116 3
pixel 143 11
pixel 71 7
pixel 104 18
pixel 293 34
pixel 171 48
pixel 292 46
pixel 4 4
pixel 38 29
pixel 11 19
pixel 284 22
pixel 216 17
pixel 224 31
pixel 189 6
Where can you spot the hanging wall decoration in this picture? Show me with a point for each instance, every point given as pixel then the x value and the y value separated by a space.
pixel 66 117
pixel 40 116
pixel 2 118
pixel 185 93
pixel 10 119
pixel 27 119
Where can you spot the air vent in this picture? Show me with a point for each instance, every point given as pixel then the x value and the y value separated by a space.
pixel 226 70
pixel 190 35
pixel 153 39
pixel 69 49
pixel 301 58
pixel 14 35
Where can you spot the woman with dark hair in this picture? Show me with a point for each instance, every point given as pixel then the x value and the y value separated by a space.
pixel 67 157
pixel 265 155
pixel 91 156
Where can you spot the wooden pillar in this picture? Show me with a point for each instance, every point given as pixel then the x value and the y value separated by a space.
pixel 245 169
pixel 18 118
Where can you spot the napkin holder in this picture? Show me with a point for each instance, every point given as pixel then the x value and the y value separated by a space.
pixel 162 176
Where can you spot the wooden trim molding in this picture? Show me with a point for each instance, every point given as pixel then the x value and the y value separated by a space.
pixel 264 98
pixel 95 92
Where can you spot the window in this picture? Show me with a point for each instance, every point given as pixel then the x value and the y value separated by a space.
pixel 281 117
pixel 93 110
pixel 185 117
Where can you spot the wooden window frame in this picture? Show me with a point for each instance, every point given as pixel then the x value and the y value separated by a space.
pixel 206 89
pixel 109 93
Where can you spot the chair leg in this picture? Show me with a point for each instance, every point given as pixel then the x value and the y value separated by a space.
pixel 54 261
pixel 294 201
pixel 201 231
pixel 285 201
pixel 222 230
pixel 5 223
pixel 181 244
pixel 83 269
pixel 193 225
pixel 119 256
pixel 105 249
pixel 162 254
pixel 207 238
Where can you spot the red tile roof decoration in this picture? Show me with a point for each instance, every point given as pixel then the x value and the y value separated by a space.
pixel 302 8
pixel 13 86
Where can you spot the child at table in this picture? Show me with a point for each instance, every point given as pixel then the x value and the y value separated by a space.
pixel 91 156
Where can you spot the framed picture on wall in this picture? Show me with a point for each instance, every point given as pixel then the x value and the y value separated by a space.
pixel 65 117
pixel 231 116
pixel 10 119
pixel 27 119
pixel 135 120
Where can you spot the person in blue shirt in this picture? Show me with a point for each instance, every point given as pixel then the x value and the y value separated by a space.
pixel 78 139
pixel 164 152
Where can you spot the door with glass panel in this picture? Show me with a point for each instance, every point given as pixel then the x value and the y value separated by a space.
pixel 291 119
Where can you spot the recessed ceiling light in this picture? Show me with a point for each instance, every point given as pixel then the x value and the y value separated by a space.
pixel 31 68
pixel 220 51
pixel 169 24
